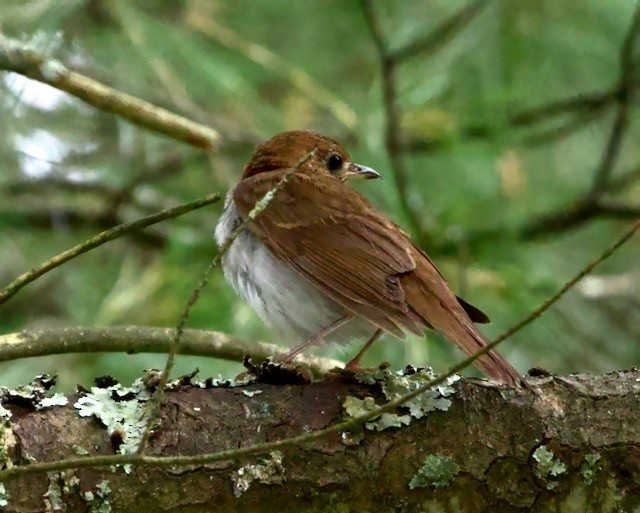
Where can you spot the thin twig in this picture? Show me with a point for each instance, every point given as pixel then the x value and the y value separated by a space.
pixel 625 98
pixel 100 239
pixel 21 59
pixel 621 182
pixel 576 215
pixel 144 339
pixel 545 306
pixel 392 125
pixel 433 41
pixel 140 459
pixel 154 402
pixel 584 109
pixel 272 62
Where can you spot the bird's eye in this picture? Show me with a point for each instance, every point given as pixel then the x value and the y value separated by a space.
pixel 334 163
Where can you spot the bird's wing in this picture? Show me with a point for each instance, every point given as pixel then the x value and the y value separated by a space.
pixel 334 238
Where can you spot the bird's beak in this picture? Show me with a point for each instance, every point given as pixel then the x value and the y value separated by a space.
pixel 358 171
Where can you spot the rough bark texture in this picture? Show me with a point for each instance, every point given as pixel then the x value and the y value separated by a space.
pixel 572 446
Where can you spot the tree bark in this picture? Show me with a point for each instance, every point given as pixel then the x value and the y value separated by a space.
pixel 571 445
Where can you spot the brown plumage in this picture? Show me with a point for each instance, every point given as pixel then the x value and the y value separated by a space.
pixel 333 238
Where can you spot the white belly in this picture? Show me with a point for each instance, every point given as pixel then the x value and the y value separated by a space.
pixel 286 301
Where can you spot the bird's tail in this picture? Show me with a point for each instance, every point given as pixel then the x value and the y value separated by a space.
pixel 469 339
pixel 433 304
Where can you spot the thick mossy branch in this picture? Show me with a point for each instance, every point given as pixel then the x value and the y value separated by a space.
pixel 572 444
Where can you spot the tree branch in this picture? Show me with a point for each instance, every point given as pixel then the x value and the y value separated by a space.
pixel 574 216
pixel 118 231
pixel 392 125
pixel 433 41
pixel 144 339
pixel 624 98
pixel 21 59
pixel 510 451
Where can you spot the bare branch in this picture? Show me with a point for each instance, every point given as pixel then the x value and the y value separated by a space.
pixel 577 215
pixel 392 127
pixel 624 98
pixel 143 339
pixel 118 231
pixel 21 59
pixel 433 41
pixel 272 62
pixel 621 182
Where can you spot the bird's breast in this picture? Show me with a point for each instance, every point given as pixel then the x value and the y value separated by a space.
pixel 285 300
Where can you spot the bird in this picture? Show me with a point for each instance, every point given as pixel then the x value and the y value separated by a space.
pixel 321 264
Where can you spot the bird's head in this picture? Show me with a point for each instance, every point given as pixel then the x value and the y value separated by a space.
pixel 288 149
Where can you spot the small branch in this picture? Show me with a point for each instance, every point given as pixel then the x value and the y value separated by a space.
pixel 557 133
pixel 270 61
pixel 624 98
pixel 433 41
pixel 619 183
pixel 49 218
pixel 21 59
pixel 585 108
pixel 118 231
pixel 565 288
pixel 143 339
pixel 581 102
pixel 392 126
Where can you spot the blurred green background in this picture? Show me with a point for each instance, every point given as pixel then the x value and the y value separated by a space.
pixel 486 155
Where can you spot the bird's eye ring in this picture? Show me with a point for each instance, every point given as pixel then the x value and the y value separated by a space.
pixel 334 163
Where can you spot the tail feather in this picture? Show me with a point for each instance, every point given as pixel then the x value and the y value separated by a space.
pixel 469 339
pixel 430 299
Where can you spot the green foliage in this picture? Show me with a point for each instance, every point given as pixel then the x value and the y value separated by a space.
pixel 477 175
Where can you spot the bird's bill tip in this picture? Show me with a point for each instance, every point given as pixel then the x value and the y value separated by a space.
pixel 361 172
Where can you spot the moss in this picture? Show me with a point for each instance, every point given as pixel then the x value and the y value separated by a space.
pixel 436 471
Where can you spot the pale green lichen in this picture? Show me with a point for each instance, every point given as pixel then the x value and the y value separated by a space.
pixel 269 471
pixel 223 382
pixel 4 496
pixel 54 400
pixel 118 408
pixel 251 393
pixel 548 466
pixel 98 500
pixel 356 407
pixel 398 384
pixel 36 393
pixel 8 442
pixel 590 467
pixel 436 471
pixel 53 496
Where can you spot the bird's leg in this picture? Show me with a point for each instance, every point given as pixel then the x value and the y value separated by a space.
pixel 291 354
pixel 355 361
